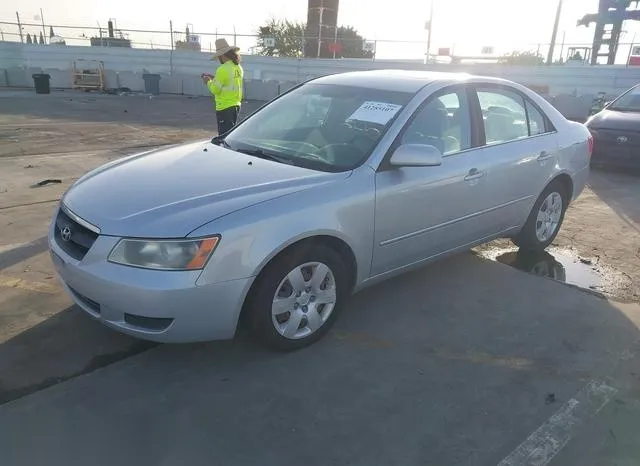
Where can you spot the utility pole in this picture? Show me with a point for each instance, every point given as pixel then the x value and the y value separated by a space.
pixel 554 34
pixel 320 28
pixel 20 28
pixel 429 27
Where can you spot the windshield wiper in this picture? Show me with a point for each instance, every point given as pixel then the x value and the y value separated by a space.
pixel 265 155
pixel 219 141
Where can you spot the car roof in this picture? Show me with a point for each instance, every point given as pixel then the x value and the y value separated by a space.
pixel 394 80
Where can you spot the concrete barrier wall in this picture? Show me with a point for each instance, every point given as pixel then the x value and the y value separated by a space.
pixel 265 77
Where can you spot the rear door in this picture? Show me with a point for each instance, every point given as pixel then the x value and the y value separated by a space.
pixel 520 149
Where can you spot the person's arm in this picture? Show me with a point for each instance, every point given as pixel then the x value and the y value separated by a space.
pixel 217 82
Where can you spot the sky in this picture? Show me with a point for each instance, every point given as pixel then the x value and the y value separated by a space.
pixel 465 25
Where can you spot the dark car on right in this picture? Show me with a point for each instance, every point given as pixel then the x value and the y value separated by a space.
pixel 616 132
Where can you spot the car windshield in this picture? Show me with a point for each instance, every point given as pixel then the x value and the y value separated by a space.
pixel 627 102
pixel 320 126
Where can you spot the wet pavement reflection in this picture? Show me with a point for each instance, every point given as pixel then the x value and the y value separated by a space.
pixel 559 264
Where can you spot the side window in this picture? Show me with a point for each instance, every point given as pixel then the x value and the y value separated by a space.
pixel 444 122
pixel 503 114
pixel 537 121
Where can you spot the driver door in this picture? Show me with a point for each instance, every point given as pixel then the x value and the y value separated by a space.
pixel 422 212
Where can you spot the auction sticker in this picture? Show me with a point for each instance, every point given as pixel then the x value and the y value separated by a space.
pixel 375 112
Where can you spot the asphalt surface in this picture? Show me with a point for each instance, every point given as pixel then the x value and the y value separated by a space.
pixel 465 362
pixel 455 364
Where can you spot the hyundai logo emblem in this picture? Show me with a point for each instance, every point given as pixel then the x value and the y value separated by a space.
pixel 622 139
pixel 66 233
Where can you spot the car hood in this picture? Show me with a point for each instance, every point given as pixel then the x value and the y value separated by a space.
pixel 610 119
pixel 170 192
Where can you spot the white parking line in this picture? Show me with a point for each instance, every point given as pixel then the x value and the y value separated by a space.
pixel 551 437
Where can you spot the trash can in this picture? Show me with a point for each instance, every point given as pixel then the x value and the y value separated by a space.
pixel 41 82
pixel 151 83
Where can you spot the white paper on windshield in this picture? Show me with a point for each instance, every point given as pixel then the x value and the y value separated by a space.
pixel 375 112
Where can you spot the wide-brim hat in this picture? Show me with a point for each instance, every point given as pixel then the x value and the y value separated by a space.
pixel 222 47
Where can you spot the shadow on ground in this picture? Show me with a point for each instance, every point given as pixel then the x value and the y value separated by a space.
pixel 620 191
pixel 453 364
pixel 64 346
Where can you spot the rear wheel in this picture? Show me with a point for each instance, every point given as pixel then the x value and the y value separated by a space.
pixel 545 219
pixel 297 298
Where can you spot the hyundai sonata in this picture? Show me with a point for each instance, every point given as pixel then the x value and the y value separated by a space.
pixel 339 183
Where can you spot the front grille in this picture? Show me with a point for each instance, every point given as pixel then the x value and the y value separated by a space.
pixel 72 237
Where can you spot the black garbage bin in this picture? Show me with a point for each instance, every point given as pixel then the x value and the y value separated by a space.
pixel 41 82
pixel 151 83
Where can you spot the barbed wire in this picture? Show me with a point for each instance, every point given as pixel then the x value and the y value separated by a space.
pixel 168 39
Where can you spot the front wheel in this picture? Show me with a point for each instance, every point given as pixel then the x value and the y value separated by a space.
pixel 545 219
pixel 297 297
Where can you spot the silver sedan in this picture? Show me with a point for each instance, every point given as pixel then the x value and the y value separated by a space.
pixel 340 183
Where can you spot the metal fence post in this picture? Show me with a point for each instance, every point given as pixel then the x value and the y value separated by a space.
pixel 19 28
pixel 171 51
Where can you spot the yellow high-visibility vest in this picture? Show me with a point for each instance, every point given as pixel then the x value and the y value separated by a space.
pixel 226 86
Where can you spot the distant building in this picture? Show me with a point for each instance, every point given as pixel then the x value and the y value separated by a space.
pixel 110 40
pixel 56 40
pixel 322 22
pixel 191 42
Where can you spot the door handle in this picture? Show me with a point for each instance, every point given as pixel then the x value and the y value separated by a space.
pixel 544 155
pixel 474 174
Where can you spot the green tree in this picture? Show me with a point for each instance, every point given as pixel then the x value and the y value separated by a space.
pixel 521 58
pixel 352 43
pixel 288 37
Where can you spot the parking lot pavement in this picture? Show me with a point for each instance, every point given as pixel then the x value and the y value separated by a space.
pixel 45 340
pixel 458 363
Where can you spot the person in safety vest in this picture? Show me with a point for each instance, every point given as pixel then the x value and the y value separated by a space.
pixel 226 85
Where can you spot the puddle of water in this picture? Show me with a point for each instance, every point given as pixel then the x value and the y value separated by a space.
pixel 559 264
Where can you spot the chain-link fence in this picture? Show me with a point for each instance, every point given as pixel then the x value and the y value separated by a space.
pixel 333 46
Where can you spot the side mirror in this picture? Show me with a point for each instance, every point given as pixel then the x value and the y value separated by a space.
pixel 416 155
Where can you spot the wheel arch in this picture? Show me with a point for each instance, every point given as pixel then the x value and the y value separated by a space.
pixel 330 240
pixel 566 182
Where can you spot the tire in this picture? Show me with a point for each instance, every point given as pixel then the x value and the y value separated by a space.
pixel 300 302
pixel 529 239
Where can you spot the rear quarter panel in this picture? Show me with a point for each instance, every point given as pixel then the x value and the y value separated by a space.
pixel 574 157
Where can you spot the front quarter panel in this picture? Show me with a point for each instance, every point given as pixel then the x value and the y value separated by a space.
pixel 255 235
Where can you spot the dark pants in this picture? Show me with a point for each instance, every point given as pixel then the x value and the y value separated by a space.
pixel 227 119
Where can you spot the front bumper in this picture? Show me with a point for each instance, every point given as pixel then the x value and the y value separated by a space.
pixel 616 149
pixel 161 306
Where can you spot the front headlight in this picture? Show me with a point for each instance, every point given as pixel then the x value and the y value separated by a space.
pixel 183 254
